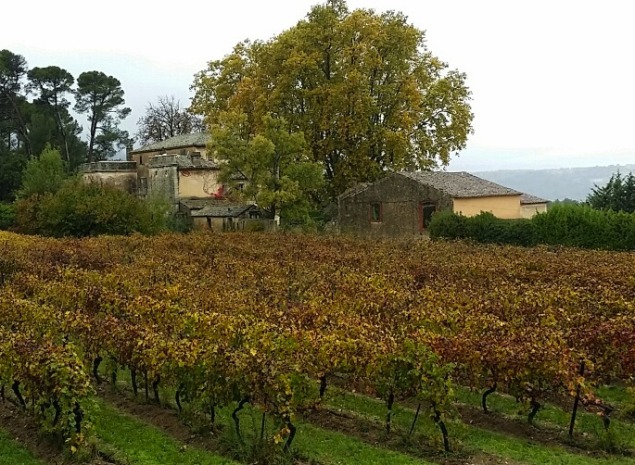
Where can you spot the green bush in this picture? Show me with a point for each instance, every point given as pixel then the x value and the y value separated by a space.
pixel 484 227
pixel 79 209
pixel 568 225
pixel 7 215
pixel 448 225
pixel 43 175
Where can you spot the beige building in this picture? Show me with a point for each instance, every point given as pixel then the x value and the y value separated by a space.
pixel 403 203
pixel 119 174
pixel 178 170
pixel 178 145
pixel 530 205
pixel 177 177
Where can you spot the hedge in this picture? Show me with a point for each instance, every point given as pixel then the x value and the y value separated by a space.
pixel 568 225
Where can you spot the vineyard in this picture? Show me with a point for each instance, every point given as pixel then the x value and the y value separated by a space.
pixel 283 324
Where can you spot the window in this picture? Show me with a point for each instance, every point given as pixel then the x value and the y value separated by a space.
pixel 376 212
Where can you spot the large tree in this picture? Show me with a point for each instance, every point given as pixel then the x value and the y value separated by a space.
pixel 362 87
pixel 15 131
pixel 275 161
pixel 165 119
pixel 101 98
pixel 53 84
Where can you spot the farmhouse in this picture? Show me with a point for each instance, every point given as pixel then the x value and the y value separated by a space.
pixel 177 145
pixel 403 203
pixel 179 171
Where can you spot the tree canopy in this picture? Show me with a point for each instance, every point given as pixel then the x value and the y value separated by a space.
pixel 362 87
pixel 53 83
pixel 101 98
pixel 275 162
pixel 165 119
pixel 43 175
pixel 617 195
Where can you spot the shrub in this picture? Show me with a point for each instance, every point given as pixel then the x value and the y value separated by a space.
pixel 79 209
pixel 484 227
pixel 7 215
pixel 44 175
pixel 448 225
pixel 568 225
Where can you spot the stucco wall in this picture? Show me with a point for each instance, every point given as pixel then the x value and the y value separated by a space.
pixel 123 180
pixel 163 182
pixel 529 211
pixel 400 200
pixel 506 207
pixel 198 183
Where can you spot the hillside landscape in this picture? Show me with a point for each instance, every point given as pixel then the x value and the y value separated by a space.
pixel 556 184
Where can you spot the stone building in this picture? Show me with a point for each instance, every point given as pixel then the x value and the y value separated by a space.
pixel 177 145
pixel 176 177
pixel 403 203
pixel 119 174
pixel 179 171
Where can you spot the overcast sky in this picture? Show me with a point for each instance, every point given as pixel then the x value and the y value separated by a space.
pixel 553 82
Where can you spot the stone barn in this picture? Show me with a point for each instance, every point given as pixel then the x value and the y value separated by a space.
pixel 402 203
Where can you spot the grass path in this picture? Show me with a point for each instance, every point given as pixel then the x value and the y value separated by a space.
pixel 473 438
pixel 12 453
pixel 138 443
pixel 145 444
pixel 333 448
pixel 588 424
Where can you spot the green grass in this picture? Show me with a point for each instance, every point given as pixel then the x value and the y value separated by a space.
pixel 329 447
pixel 311 442
pixel 588 426
pixel 143 444
pixel 619 396
pixel 472 438
pixel 315 443
pixel 12 453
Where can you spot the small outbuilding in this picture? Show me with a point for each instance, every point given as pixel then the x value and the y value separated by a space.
pixel 222 215
pixel 531 205
pixel 403 203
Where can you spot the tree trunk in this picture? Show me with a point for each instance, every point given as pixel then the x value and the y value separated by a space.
pixel 485 395
pixel 576 402
pixel 389 404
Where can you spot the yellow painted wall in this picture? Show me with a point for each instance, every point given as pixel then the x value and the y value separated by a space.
pixel 198 183
pixel 501 207
pixel 529 211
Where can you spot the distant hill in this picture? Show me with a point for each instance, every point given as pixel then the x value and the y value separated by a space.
pixel 552 184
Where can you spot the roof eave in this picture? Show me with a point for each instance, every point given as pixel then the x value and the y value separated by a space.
pixel 511 194
pixel 176 147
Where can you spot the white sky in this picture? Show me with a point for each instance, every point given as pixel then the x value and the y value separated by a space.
pixel 553 82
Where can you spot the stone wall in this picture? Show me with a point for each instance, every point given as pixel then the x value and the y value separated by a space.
pixel 163 183
pixel 118 174
pixel 400 200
